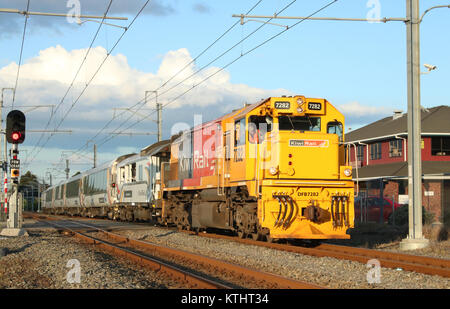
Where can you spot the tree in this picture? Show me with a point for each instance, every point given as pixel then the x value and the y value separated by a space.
pixel 28 179
pixel 29 185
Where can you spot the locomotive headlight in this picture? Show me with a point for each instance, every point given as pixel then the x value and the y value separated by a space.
pixel 348 172
pixel 300 103
pixel 273 171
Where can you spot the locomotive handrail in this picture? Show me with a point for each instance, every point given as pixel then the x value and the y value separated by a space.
pixel 256 170
pixel 356 165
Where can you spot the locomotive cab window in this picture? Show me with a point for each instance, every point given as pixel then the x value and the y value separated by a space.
pixel 299 123
pixel 257 128
pixel 133 172
pixel 335 127
pixel 239 132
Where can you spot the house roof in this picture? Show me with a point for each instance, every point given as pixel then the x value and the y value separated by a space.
pixel 434 120
pixel 400 169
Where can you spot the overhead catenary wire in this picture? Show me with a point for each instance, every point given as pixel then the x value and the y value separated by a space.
pixel 93 76
pixel 75 77
pixel 179 72
pixel 20 56
pixel 199 70
pixel 142 101
pixel 114 134
pixel 208 64
pixel 224 67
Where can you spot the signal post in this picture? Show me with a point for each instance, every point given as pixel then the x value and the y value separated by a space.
pixel 15 134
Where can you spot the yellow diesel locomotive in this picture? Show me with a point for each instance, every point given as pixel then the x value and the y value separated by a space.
pixel 275 169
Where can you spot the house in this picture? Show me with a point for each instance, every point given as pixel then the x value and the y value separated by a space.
pixel 378 153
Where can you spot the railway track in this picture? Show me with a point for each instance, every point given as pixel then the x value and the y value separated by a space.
pixel 189 278
pixel 420 264
pixel 168 261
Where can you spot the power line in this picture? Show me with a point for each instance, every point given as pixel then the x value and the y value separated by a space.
pixel 114 134
pixel 207 48
pixel 142 101
pixel 75 77
pixel 227 65
pixel 93 76
pixel 20 57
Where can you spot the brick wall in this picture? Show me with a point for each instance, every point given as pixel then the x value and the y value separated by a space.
pixel 431 198
pixel 431 195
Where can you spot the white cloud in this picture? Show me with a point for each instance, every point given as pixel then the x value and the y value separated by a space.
pixel 47 76
pixel 355 109
pixel 357 114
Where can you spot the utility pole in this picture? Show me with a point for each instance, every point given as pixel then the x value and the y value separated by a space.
pixel 415 239
pixel 49 176
pixel 159 109
pixel 67 170
pixel 5 155
pixel 95 155
pixel 1 125
pixel 413 19
pixel 159 113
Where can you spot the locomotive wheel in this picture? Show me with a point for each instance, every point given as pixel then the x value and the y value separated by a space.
pixel 270 239
pixel 256 236
pixel 242 234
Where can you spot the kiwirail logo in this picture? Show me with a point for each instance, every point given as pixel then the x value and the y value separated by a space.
pixel 74 274
pixel 73 16
pixel 201 142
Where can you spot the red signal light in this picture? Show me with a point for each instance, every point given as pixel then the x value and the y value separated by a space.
pixel 16 136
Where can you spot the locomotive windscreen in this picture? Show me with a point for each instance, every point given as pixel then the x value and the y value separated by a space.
pixel 299 123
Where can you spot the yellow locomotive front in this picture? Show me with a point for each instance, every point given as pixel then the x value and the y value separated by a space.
pixel 295 166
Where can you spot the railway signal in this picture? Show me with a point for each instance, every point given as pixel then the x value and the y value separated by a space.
pixel 15 134
pixel 15 127
pixel 15 173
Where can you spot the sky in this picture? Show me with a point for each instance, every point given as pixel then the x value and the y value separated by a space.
pixel 201 61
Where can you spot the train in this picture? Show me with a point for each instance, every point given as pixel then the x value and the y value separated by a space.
pixel 275 169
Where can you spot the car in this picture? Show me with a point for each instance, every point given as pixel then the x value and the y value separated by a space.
pixel 371 208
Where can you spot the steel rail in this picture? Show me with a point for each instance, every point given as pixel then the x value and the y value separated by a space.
pixel 414 263
pixel 421 264
pixel 272 280
pixel 153 263
pixel 245 274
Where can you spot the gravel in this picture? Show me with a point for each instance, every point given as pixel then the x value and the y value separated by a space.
pixel 40 261
pixel 46 259
pixel 324 271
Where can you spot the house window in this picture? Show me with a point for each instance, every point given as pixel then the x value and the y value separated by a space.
pixel 360 153
pixel 440 146
pixel 375 151
pixel 395 148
